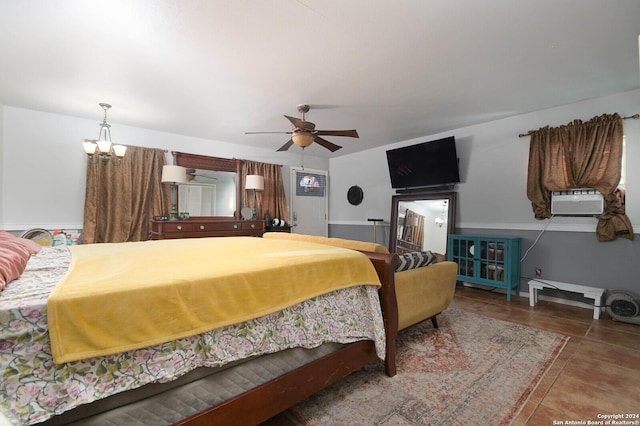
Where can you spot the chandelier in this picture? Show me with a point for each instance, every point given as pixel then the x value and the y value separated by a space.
pixel 441 220
pixel 102 147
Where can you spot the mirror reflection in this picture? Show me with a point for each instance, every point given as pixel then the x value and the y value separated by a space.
pixel 208 193
pixel 422 222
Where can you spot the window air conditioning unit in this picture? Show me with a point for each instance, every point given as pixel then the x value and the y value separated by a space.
pixel 577 202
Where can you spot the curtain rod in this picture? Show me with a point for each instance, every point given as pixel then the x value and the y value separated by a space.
pixel 634 116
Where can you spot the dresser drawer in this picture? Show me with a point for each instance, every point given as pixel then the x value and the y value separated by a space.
pixel 223 226
pixel 252 226
pixel 171 227
pixel 216 226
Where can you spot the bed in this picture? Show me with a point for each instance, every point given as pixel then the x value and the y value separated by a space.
pixel 241 372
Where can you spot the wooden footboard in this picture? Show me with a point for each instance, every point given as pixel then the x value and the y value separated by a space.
pixel 262 403
pixel 385 265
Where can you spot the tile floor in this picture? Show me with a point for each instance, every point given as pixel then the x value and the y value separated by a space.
pixel 597 373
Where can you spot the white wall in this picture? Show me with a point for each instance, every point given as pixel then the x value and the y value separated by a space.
pixel 1 156
pixel 44 166
pixel 493 171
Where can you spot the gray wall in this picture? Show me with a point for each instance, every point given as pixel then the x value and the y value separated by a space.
pixel 574 257
pixel 361 233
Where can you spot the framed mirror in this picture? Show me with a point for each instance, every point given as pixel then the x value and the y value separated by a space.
pixel 422 221
pixel 212 187
pixel 208 193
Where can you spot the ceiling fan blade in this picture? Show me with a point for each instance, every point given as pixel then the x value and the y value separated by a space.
pixel 295 121
pixel 261 133
pixel 301 124
pixel 345 133
pixel 286 146
pixel 325 143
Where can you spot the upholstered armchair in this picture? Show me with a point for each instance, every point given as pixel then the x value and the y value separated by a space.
pixel 425 285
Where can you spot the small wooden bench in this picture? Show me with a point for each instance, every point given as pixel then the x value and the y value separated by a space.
pixel 588 292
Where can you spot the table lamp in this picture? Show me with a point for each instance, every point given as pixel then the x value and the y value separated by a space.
pixel 174 175
pixel 255 182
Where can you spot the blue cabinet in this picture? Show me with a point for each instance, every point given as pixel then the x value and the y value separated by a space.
pixel 490 261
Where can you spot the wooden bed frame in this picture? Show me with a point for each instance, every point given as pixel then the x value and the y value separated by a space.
pixel 263 402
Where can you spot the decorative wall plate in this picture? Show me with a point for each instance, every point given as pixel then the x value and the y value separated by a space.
pixel 355 195
pixel 246 212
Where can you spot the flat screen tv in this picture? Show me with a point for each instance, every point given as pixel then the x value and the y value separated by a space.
pixel 424 165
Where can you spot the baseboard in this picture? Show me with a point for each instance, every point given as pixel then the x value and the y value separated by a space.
pixel 552 299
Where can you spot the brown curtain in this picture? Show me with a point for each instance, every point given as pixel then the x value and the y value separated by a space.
pixel 580 155
pixel 272 200
pixel 122 196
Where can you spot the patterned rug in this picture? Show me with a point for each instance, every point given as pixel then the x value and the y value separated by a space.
pixel 473 370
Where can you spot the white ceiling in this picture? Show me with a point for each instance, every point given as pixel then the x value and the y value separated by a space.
pixel 393 70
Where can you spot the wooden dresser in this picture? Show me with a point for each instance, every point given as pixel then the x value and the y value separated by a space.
pixel 206 227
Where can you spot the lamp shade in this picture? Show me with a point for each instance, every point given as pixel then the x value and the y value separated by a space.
pixel 174 174
pixel 254 182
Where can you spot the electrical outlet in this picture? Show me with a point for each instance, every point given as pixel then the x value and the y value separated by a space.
pixel 538 272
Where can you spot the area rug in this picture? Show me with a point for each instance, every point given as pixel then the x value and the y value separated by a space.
pixel 473 370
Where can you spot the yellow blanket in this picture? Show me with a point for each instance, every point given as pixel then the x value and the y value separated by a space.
pixel 124 296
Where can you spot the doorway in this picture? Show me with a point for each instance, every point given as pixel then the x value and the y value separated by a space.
pixel 309 201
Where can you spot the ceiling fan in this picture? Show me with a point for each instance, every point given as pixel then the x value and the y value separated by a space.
pixel 192 174
pixel 303 133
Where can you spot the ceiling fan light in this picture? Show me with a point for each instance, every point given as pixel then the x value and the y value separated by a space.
pixel 303 140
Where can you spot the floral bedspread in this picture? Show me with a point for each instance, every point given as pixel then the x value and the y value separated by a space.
pixel 33 388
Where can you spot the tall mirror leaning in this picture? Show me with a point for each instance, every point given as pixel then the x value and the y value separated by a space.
pixel 422 221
